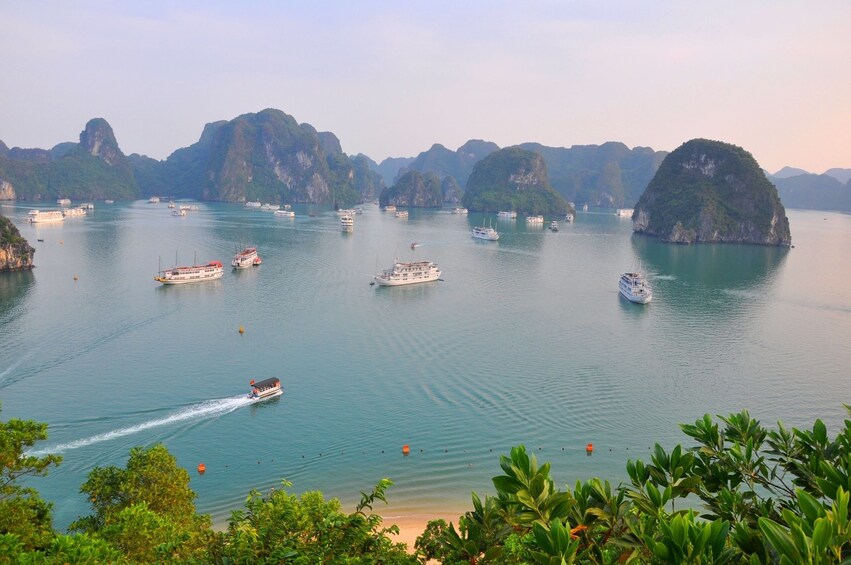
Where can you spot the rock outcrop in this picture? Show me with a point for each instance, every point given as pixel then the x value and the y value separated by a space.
pixel 16 254
pixel 414 189
pixel 710 191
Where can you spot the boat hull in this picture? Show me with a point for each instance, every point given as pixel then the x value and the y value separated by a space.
pixel 390 282
pixel 639 299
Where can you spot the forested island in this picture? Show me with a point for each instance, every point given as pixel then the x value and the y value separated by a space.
pixel 713 192
pixel 765 495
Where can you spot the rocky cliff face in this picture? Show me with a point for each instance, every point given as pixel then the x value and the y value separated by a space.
pixel 709 191
pixel 99 141
pixel 513 179
pixel 414 189
pixel 16 254
pixel 7 191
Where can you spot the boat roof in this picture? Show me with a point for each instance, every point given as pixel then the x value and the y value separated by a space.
pixel 266 383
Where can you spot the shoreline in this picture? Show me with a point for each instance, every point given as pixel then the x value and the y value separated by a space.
pixel 412 524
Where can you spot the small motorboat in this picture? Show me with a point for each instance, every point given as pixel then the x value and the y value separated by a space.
pixel 265 389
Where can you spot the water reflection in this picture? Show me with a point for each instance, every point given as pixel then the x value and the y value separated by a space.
pixel 710 266
pixel 14 288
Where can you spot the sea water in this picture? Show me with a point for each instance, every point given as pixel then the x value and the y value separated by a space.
pixel 524 341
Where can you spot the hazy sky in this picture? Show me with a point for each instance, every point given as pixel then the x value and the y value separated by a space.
pixel 392 78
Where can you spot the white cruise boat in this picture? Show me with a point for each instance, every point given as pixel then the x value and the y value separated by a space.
pixel 154 200
pixel 253 205
pixel 195 273
pixel 486 233
pixel 635 288
pixel 265 389
pixel 345 212
pixel 462 211
pixel 623 212
pixel 534 219
pixel 109 201
pixel 284 214
pixel 507 215
pixel 347 222
pixel 402 214
pixel 568 218
pixel 47 216
pixel 269 207
pixel 585 207
pixel 64 202
pixel 87 206
pixel 408 273
pixel 246 258
pixel 181 213
pixel 75 212
pixel 390 208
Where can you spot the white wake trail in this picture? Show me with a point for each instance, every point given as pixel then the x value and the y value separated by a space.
pixel 203 410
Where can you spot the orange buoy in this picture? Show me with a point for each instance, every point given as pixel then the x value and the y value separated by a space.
pixel 406 449
pixel 241 330
pixel 251 382
pixel 589 449
pixel 201 468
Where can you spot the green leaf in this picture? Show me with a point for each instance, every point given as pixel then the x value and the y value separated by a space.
pixel 822 534
pixel 810 507
pixel 779 538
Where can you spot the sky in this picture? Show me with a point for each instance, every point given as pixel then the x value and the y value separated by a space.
pixel 392 78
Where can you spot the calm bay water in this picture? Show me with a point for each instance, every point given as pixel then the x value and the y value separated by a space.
pixel 525 341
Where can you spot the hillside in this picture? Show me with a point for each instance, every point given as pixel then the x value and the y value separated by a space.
pixel 94 168
pixel 265 156
pixel 710 191
pixel 513 179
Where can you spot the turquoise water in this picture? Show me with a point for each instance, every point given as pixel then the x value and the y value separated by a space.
pixel 526 340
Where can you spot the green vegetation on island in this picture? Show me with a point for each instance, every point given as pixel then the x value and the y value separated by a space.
pixel 92 169
pixel 414 189
pixel 741 493
pixel 16 253
pixel 710 191
pixel 513 179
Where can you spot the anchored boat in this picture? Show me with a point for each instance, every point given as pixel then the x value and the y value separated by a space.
pixel 195 273
pixel 408 273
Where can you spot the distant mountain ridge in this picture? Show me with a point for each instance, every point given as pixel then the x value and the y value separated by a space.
pixel 609 175
pixel 269 156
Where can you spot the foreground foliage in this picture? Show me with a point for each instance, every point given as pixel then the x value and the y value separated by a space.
pixel 769 496
pixel 740 494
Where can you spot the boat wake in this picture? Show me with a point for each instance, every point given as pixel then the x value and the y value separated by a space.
pixel 203 410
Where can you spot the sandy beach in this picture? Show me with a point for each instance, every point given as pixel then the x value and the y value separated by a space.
pixel 412 525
